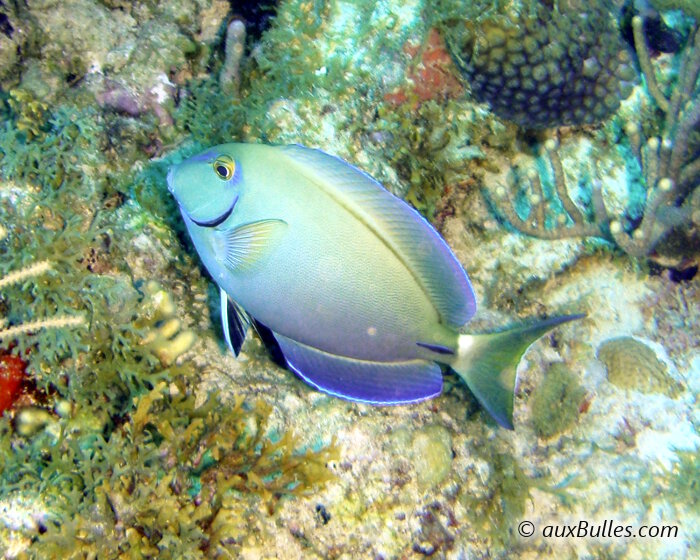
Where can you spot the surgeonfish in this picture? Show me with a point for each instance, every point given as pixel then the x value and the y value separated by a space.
pixel 360 293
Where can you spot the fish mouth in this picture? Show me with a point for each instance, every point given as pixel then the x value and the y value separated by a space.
pixel 218 220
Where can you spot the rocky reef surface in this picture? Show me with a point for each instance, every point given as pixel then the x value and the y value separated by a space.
pixel 128 430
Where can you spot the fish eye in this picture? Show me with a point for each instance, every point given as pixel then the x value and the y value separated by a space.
pixel 224 167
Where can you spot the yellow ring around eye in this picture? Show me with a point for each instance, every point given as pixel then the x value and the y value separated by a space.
pixel 224 167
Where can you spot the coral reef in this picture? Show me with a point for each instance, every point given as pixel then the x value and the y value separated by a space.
pixel 135 434
pixel 109 448
pixel 105 448
pixel 539 64
pixel 668 222
pixel 162 483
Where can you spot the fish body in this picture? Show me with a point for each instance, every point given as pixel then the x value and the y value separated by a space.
pixel 362 295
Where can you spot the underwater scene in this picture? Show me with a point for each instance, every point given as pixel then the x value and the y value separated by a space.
pixel 342 279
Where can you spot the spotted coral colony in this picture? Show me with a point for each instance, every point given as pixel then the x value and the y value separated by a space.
pixel 544 66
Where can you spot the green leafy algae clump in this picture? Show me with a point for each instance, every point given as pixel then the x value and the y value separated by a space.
pixel 556 401
pixel 690 7
pixel 30 113
pixel 107 454
pixel 208 116
pixel 166 482
pixel 631 364
pixel 430 146
pixel 418 139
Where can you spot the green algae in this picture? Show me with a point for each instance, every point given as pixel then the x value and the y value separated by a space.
pixel 155 485
pixel 124 469
pixel 209 117
pixel 690 7
pixel 133 464
pixel 108 445
pixel 429 147
pixel 555 402
pixel 60 146
pixel 684 482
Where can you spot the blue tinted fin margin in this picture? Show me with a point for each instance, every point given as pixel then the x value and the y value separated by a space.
pixel 360 380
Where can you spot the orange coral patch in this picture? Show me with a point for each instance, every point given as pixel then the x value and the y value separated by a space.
pixel 11 376
pixel 433 76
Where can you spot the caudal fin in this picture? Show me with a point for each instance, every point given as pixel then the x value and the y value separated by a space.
pixel 487 363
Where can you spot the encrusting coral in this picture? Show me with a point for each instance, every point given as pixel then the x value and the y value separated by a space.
pixel 166 339
pixel 631 364
pixel 29 110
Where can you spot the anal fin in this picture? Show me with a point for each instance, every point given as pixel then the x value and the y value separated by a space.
pixel 360 380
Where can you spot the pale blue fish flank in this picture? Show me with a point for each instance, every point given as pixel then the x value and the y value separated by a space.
pixel 362 295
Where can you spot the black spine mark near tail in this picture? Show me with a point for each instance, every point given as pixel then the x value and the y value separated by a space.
pixel 444 350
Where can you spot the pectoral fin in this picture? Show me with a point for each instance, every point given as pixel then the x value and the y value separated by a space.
pixel 245 245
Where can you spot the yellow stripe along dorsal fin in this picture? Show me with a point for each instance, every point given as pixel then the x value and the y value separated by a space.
pixel 402 228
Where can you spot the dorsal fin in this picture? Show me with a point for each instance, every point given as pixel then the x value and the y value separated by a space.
pixel 402 228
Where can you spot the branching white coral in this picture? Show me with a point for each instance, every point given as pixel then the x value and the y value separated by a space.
pixel 59 321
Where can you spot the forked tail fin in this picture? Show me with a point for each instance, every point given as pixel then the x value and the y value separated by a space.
pixel 487 363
